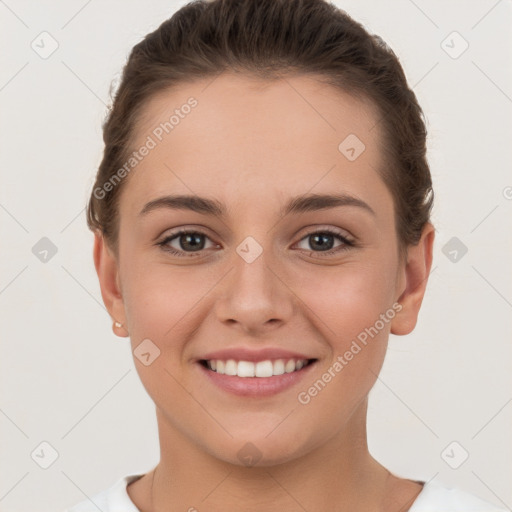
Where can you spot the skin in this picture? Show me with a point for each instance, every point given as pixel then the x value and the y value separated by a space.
pixel 252 145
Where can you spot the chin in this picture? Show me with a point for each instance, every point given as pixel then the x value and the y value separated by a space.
pixel 254 449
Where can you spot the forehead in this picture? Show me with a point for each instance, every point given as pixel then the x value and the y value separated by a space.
pixel 234 134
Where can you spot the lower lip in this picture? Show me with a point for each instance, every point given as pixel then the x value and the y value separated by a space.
pixel 257 386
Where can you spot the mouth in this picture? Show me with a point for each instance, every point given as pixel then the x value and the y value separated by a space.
pixel 255 378
pixel 260 369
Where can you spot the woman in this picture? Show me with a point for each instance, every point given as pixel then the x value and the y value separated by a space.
pixel 262 224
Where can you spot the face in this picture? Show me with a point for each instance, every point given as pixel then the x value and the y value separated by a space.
pixel 257 265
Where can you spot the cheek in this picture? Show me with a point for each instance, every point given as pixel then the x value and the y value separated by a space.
pixel 352 308
pixel 162 304
pixel 354 313
pixel 349 299
pixel 158 299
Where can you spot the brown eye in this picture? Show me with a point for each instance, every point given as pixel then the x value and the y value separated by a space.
pixel 324 242
pixel 184 242
pixel 192 241
pixel 321 241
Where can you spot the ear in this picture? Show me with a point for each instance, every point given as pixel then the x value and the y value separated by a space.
pixel 414 282
pixel 108 274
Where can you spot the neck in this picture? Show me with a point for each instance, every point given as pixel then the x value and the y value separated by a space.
pixel 338 475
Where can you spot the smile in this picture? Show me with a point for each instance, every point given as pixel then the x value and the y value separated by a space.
pixel 260 369
pixel 257 378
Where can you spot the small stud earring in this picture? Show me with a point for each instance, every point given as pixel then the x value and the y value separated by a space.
pixel 118 325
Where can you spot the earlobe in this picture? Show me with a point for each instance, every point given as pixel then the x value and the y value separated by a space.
pixel 107 270
pixel 415 277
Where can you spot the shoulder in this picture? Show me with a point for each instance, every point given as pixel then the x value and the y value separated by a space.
pixel 436 498
pixel 113 499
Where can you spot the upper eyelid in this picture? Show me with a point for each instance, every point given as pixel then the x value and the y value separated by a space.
pixel 173 232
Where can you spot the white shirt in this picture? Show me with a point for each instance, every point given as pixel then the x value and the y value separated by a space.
pixel 433 498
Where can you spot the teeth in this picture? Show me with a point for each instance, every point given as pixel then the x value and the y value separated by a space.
pixel 266 368
pixel 278 368
pixel 245 369
pixel 231 367
pixel 263 369
pixel 289 367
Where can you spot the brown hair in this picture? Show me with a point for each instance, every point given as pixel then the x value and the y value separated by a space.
pixel 270 39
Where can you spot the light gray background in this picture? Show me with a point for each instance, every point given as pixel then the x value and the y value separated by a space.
pixel 67 380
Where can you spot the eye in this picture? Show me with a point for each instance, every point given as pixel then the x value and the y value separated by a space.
pixel 184 242
pixel 187 243
pixel 322 242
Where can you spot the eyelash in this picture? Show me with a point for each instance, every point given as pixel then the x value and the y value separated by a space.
pixel 347 244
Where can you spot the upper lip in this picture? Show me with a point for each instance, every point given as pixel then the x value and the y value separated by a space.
pixel 246 354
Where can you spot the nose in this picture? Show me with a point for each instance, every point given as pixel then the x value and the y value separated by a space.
pixel 255 297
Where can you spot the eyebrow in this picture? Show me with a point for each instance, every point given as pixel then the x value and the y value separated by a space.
pixel 296 205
